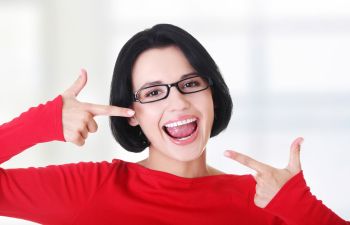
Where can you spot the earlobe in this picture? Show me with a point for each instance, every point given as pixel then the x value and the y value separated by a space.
pixel 133 121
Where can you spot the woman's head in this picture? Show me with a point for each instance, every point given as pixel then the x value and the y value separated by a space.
pixel 167 54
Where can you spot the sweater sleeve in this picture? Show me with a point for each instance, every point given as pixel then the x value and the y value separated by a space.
pixel 39 124
pixel 295 205
pixel 55 194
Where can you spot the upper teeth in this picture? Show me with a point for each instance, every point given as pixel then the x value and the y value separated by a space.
pixel 179 123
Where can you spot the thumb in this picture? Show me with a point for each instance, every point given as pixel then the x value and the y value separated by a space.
pixel 294 164
pixel 78 85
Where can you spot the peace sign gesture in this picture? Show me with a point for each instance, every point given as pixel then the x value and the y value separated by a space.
pixel 269 180
pixel 78 117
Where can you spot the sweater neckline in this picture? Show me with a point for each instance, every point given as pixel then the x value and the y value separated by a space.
pixel 169 176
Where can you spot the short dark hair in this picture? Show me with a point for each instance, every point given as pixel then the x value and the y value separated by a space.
pixel 162 35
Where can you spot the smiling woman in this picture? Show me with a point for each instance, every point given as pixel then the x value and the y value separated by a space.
pixel 166 94
pixel 164 54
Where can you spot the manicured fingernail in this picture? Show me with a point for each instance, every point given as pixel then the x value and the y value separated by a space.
pixel 131 112
pixel 227 154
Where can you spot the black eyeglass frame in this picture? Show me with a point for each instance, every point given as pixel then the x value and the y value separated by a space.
pixel 168 86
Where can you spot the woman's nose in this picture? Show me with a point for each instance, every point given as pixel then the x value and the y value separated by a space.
pixel 176 100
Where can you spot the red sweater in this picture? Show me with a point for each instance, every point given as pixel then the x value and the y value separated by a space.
pixel 121 192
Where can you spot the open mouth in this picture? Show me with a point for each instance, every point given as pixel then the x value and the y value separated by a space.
pixel 181 130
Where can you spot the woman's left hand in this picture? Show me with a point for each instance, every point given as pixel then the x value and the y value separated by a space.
pixel 269 180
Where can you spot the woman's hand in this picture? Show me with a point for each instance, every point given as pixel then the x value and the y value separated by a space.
pixel 78 117
pixel 269 180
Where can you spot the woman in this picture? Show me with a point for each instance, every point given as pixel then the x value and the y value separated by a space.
pixel 166 94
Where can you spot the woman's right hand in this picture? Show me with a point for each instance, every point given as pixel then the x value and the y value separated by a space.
pixel 78 117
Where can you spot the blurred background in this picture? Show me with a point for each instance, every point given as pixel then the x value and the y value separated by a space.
pixel 286 64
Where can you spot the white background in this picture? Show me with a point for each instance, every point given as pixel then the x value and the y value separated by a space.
pixel 286 63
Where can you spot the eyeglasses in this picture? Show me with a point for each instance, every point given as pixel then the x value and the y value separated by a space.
pixel 158 92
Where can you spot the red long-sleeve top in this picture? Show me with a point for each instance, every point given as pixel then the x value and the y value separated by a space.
pixel 121 192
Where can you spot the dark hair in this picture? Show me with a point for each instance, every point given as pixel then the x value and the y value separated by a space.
pixel 162 35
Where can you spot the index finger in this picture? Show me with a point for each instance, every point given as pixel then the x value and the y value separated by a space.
pixel 246 160
pixel 108 110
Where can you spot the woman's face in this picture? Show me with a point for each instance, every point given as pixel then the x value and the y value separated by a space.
pixel 182 141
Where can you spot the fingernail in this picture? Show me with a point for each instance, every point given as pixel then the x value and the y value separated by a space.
pixel 227 153
pixel 131 112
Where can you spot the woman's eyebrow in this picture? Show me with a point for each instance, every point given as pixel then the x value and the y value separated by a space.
pixel 151 83
pixel 161 82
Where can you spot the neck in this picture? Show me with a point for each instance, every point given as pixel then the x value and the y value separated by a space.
pixel 188 169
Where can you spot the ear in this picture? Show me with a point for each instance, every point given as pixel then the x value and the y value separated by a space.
pixel 133 121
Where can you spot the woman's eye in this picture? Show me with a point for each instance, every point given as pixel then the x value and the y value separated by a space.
pixel 152 93
pixel 191 84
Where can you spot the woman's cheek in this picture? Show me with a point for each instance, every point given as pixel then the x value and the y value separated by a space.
pixel 150 124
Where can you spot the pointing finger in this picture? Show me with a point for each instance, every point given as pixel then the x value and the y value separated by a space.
pixel 78 85
pixel 294 158
pixel 108 110
pixel 246 160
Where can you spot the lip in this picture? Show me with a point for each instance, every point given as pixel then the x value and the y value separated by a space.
pixel 193 135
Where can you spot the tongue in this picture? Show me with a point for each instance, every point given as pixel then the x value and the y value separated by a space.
pixel 181 131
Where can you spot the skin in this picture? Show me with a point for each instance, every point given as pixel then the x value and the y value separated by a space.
pixel 78 117
pixel 269 180
pixel 168 64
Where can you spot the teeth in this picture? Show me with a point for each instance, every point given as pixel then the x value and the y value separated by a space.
pixel 179 123
pixel 184 138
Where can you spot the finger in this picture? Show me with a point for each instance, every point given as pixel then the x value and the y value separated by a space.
pixel 84 133
pixel 77 139
pixel 108 110
pixel 294 157
pixel 78 85
pixel 246 160
pixel 79 142
pixel 92 126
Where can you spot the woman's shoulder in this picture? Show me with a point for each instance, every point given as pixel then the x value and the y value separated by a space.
pixel 214 171
pixel 243 179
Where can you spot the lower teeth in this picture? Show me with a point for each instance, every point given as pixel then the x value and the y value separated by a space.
pixel 184 138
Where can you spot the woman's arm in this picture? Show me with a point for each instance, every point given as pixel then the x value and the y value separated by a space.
pixel 283 192
pixel 295 204
pixel 52 194
pixel 38 124
pixel 63 119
